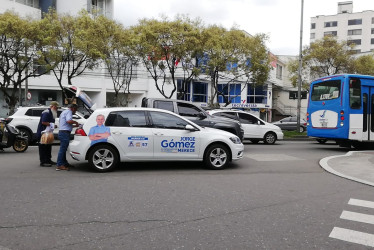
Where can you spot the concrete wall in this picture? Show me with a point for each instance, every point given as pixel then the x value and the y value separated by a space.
pixel 21 9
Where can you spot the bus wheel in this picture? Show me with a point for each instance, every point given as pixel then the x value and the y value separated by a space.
pixel 322 141
pixel 359 145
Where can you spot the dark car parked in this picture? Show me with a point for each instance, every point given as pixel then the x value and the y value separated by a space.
pixel 196 114
pixel 290 123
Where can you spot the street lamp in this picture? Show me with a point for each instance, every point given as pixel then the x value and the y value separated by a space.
pixel 300 66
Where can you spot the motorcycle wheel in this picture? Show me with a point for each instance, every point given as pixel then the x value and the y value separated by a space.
pixel 20 145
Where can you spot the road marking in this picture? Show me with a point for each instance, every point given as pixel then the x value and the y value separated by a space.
pixel 272 157
pixel 352 236
pixel 361 203
pixel 365 218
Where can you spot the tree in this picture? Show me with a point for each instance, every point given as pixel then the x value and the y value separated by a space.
pixel 364 64
pixel 120 58
pixel 162 45
pixel 324 57
pixel 233 57
pixel 20 51
pixel 75 46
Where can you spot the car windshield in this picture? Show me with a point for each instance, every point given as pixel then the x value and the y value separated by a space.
pixel 326 90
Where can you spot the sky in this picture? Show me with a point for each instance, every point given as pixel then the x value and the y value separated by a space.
pixel 279 19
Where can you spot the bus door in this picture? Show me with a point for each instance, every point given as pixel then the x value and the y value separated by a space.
pixel 368 113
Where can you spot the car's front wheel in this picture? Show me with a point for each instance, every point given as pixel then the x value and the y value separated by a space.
pixel 103 158
pixel 217 157
pixel 270 138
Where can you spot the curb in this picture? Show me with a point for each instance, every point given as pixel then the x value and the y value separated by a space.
pixel 324 164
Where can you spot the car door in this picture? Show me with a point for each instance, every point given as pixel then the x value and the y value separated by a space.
pixel 171 140
pixel 285 123
pixel 131 133
pixel 253 127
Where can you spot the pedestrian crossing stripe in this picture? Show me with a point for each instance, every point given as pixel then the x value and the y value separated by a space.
pixel 352 235
pixel 361 203
pixel 353 216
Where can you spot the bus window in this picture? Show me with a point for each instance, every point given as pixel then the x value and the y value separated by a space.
pixel 355 93
pixel 326 90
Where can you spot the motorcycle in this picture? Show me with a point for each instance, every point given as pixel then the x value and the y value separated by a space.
pixel 10 136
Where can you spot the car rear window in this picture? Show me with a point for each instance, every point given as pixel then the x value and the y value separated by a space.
pixel 34 112
pixel 126 119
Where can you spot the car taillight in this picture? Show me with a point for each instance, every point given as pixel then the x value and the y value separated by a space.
pixel 8 120
pixel 80 132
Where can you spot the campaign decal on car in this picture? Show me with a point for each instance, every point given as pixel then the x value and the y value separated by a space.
pixel 184 145
pixel 138 141
pixel 100 132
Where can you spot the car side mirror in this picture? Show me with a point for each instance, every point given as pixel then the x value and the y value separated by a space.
pixel 190 128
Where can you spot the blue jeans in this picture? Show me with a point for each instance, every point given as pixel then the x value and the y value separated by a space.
pixel 64 144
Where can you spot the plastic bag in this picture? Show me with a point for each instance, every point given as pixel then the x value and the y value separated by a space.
pixel 47 135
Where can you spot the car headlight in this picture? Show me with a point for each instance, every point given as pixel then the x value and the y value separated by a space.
pixel 235 140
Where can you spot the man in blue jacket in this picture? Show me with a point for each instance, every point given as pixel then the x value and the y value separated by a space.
pixel 47 117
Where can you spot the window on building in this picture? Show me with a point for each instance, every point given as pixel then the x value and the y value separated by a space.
pixel 231 92
pixel 372 41
pixel 312 26
pixel 200 92
pixel 355 41
pixel 256 94
pixel 372 20
pixel 331 24
pixel 356 51
pixel 372 31
pixel 294 94
pixel 183 90
pixel 98 7
pixel 279 72
pixel 330 33
pixel 32 3
pixel 355 22
pixel 354 32
pixel 312 35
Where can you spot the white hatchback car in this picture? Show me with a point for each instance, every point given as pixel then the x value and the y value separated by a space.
pixel 255 129
pixel 26 119
pixel 148 134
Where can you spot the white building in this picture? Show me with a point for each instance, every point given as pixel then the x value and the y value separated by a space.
pixel 358 28
pixel 99 86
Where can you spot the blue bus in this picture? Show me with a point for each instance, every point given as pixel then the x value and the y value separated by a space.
pixel 341 108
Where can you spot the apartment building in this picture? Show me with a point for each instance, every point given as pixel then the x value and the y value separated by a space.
pixel 355 27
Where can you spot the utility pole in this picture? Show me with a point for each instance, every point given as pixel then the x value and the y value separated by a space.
pixel 300 66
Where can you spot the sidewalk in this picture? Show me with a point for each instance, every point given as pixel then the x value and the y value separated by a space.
pixel 355 165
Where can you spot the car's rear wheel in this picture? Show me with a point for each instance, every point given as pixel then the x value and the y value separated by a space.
pixel 270 138
pixel 301 129
pixel 103 158
pixel 217 157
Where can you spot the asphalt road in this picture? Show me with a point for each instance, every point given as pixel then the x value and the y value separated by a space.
pixel 277 197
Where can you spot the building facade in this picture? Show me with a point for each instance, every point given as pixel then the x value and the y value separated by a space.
pixel 99 86
pixel 357 28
